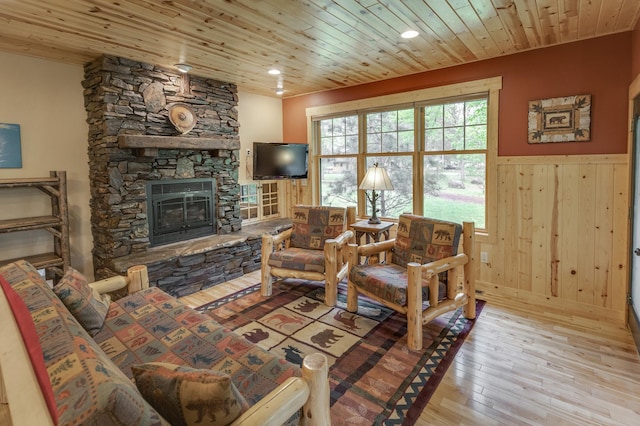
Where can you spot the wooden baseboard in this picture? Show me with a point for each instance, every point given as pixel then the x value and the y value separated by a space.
pixel 540 303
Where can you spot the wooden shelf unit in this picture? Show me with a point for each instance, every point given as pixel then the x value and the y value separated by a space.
pixel 57 224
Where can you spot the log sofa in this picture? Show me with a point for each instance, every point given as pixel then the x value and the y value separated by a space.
pixel 54 372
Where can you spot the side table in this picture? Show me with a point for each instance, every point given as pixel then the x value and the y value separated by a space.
pixel 371 232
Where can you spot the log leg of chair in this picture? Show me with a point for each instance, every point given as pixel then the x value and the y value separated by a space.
pixel 266 283
pixel 331 291
pixel 331 273
pixel 315 371
pixel 469 232
pixel 352 290
pixel 414 307
pixel 434 291
pixel 352 297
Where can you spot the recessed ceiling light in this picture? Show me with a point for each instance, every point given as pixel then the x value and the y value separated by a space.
pixel 409 34
pixel 184 68
pixel 279 91
pixel 274 71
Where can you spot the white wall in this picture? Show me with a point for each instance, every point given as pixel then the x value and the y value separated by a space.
pixel 45 98
pixel 260 121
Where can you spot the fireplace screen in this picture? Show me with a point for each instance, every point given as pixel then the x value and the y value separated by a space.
pixel 180 210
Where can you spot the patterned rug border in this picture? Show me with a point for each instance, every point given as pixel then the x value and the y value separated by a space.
pixel 418 393
pixel 434 378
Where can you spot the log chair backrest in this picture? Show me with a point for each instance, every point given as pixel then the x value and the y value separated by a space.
pixel 313 225
pixel 422 240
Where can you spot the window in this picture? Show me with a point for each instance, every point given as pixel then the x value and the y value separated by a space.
pixel 259 201
pixel 338 169
pixel 391 137
pixel 439 148
pixel 455 160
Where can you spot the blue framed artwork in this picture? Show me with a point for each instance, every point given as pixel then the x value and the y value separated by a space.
pixel 10 150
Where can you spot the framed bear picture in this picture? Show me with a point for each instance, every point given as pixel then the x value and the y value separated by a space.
pixel 566 119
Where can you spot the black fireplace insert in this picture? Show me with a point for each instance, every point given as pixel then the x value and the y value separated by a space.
pixel 180 210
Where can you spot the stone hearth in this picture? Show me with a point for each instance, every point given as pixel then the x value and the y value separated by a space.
pixel 132 141
pixel 190 266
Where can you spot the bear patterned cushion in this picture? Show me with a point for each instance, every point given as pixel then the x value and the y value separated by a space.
pixel 151 326
pixel 424 240
pixel 83 302
pixel 87 386
pixel 298 259
pixel 388 282
pixel 188 396
pixel 313 225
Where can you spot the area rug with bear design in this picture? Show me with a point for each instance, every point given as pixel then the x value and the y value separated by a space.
pixel 374 378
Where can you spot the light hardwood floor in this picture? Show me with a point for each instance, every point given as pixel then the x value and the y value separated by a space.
pixel 521 367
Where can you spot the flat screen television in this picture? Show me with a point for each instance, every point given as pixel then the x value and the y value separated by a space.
pixel 280 160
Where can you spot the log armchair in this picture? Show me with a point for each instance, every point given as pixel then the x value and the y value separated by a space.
pixel 313 249
pixel 424 266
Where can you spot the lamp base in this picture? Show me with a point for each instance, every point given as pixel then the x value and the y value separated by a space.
pixel 374 208
pixel 374 221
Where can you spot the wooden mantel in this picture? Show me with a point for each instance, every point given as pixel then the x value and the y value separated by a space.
pixel 149 145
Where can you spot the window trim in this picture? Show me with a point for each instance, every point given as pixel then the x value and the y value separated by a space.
pixel 491 86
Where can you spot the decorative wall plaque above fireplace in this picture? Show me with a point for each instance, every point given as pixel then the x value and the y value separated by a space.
pixel 179 210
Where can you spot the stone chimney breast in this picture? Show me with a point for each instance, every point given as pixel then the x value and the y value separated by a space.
pixel 132 141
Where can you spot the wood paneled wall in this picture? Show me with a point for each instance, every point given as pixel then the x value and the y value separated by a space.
pixel 562 235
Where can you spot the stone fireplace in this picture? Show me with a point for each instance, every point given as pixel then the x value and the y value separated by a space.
pixel 133 145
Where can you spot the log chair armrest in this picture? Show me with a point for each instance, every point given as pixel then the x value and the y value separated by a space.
pixel 375 248
pixel 283 236
pixel 309 393
pixel 110 284
pixel 344 238
pixel 277 240
pixel 278 405
pixel 336 253
pixel 351 255
pixel 443 265
pixel 137 279
pixel 354 252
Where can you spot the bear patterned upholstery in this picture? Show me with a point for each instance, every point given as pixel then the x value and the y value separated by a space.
pixel 425 266
pixel 88 388
pixel 313 225
pixel 152 326
pixel 424 240
pixel 389 282
pixel 298 259
pixel 313 249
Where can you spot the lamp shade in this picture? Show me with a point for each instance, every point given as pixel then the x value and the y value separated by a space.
pixel 376 179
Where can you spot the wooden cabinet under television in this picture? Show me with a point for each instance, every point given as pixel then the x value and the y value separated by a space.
pixel 56 224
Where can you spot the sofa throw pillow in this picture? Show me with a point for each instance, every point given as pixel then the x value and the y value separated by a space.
pixel 189 396
pixel 84 303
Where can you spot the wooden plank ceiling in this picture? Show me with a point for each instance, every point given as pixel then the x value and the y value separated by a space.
pixel 317 44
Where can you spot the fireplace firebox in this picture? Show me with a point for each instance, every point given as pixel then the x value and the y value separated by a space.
pixel 180 210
